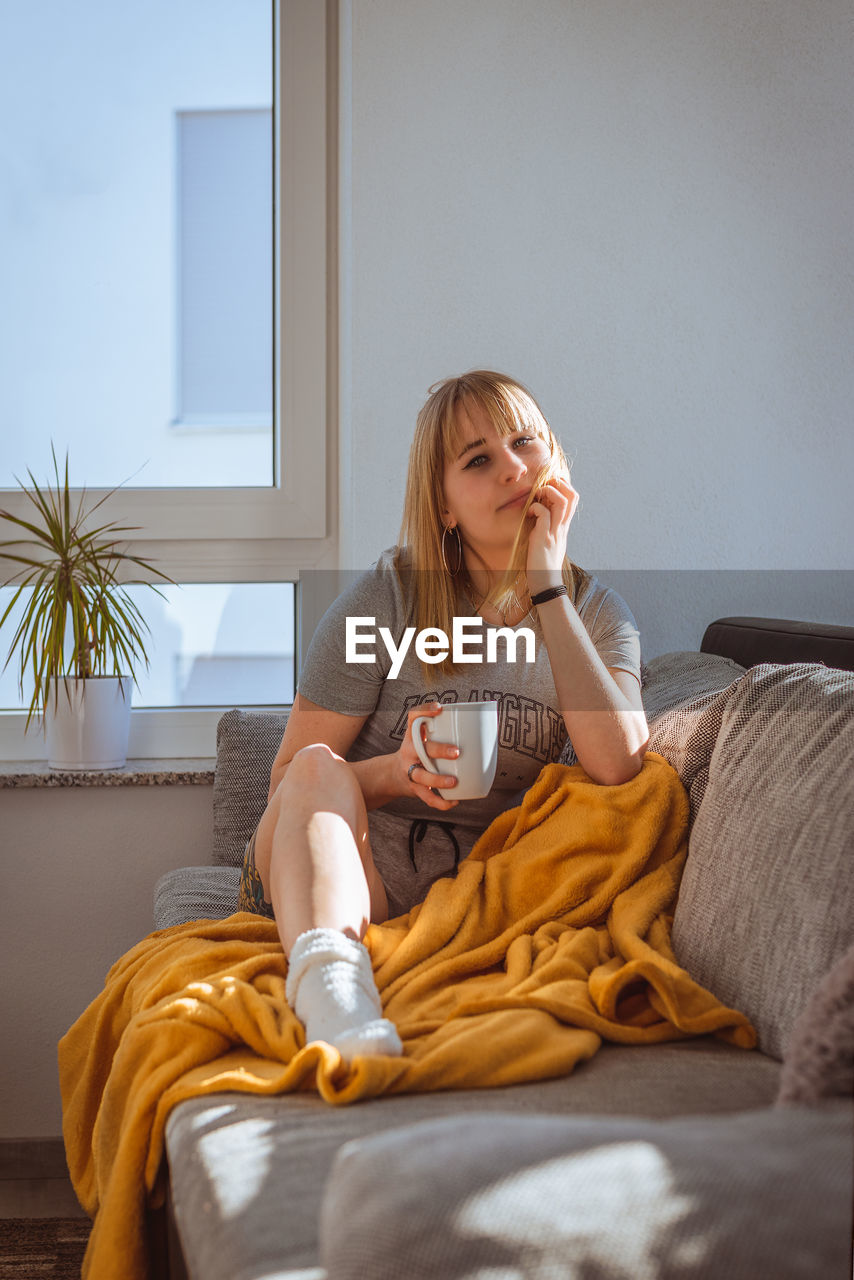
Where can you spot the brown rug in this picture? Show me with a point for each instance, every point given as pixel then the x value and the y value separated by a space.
pixel 42 1248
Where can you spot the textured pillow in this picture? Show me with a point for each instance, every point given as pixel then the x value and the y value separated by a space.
pixel 673 680
pixel 684 700
pixel 683 696
pixel 766 904
pixel 246 746
pixel 819 1061
pixel 744 1197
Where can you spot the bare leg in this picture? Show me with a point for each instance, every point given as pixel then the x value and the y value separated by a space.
pixel 312 851
pixel 315 863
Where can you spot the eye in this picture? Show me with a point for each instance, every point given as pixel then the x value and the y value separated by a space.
pixel 480 459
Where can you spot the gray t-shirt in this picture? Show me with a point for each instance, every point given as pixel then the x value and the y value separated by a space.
pixel 414 845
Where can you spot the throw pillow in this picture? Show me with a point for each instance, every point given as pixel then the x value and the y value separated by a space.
pixel 683 696
pixel 246 746
pixel 684 700
pixel 673 680
pixel 819 1061
pixel 766 904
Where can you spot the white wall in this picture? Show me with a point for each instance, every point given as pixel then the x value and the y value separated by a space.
pixel 642 211
pixel 79 869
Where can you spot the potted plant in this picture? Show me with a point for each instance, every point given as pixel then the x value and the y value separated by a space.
pixel 81 634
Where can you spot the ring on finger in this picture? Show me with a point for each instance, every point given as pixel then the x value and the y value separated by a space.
pixel 415 764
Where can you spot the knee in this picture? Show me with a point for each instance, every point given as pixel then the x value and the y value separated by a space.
pixel 315 758
pixel 312 769
pixel 318 783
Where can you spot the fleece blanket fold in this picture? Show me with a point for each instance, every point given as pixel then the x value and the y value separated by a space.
pixel 554 935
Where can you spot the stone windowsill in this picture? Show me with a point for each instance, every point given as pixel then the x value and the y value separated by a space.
pixel 136 773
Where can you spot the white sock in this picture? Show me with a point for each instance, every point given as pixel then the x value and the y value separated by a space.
pixel 331 989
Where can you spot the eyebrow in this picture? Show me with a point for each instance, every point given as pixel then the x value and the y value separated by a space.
pixel 475 444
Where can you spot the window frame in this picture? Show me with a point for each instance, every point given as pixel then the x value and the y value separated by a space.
pixel 257 534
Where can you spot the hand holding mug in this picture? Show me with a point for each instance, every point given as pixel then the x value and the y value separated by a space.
pixel 472 728
pixel 424 779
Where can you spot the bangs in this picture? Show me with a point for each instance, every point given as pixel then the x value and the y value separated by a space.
pixel 507 405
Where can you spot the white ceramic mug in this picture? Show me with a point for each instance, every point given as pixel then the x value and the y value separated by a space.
pixel 473 727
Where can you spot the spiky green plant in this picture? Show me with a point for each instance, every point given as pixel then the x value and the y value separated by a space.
pixel 71 572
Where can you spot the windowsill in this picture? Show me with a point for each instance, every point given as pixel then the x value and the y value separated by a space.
pixel 136 773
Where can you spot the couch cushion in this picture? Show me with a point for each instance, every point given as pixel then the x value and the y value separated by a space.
pixel 247 1172
pixel 819 1060
pixel 743 1197
pixel 767 898
pixel 246 746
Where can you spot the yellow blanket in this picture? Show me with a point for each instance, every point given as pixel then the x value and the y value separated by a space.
pixel 553 936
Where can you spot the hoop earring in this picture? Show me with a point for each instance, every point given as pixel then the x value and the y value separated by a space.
pixel 452 573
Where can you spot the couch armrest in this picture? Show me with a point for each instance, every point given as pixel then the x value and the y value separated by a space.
pixel 750 641
pixel 195 893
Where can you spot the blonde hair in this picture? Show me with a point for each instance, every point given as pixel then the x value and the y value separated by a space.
pixel 510 408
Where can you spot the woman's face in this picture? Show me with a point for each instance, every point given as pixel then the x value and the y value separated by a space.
pixel 487 484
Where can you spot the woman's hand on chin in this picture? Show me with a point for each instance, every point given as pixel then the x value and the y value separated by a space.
pixel 552 512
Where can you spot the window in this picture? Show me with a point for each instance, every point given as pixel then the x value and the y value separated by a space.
pixel 75 169
pixel 225 279
pixel 209 644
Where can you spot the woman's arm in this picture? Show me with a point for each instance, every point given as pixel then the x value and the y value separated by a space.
pixel 601 707
pixel 381 778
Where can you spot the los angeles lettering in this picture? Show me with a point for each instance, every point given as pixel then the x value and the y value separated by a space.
pixel 524 724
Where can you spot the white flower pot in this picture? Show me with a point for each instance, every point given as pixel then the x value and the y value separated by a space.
pixel 87 722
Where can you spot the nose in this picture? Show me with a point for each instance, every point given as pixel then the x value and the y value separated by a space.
pixel 512 463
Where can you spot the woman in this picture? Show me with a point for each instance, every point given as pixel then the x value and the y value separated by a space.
pixel 356 828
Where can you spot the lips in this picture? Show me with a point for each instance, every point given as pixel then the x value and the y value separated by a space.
pixel 518 501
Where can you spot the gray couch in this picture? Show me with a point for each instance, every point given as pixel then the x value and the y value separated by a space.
pixel 691 1159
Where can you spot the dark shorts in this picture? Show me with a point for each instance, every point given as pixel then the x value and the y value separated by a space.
pixel 251 894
